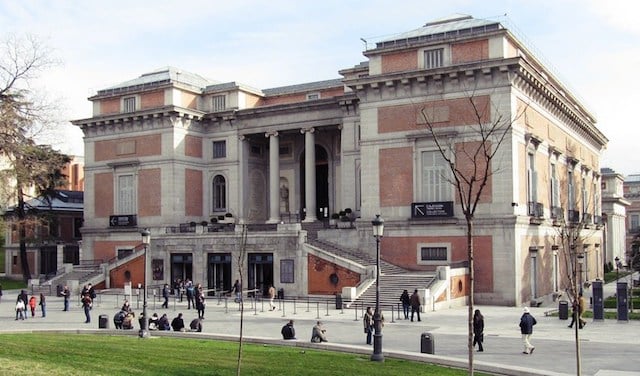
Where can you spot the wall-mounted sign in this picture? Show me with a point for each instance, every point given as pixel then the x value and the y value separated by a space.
pixel 432 209
pixel 123 220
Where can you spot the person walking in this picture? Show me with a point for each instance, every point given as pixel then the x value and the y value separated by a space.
pixel 86 306
pixel 65 294
pixel 406 303
pixel 200 303
pixel 272 296
pixel 367 322
pixel 166 291
pixel 20 309
pixel 478 330
pixel 237 290
pixel 0 292
pixel 43 305
pixel 25 300
pixel 527 321
pixel 415 304
pixel 32 306
pixel 582 306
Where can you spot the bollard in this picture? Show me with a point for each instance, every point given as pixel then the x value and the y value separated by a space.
pixel 284 308
pixel 317 310
pixel 356 311
pixel 261 305
pixel 295 312
pixel 392 320
pixel 308 304
pixel 226 305
pixel 255 306
pixel 327 308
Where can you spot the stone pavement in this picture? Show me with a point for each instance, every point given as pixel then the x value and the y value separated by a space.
pixel 607 347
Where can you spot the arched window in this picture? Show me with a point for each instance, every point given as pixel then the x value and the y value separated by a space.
pixel 219 194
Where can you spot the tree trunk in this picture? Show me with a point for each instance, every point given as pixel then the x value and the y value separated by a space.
pixel 471 288
pixel 22 234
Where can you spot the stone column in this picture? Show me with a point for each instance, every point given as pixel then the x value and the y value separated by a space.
pixel 310 174
pixel 274 177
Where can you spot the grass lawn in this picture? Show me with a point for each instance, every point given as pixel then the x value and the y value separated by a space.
pixel 78 354
pixel 12 284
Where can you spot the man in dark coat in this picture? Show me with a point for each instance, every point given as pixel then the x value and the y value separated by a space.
pixel 288 331
pixel 415 304
pixel 178 323
pixel 526 329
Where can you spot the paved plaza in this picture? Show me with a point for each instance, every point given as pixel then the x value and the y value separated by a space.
pixel 608 347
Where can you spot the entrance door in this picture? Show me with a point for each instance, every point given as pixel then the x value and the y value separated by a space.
pixel 260 272
pixel 48 260
pixel 181 266
pixel 219 273
pixel 322 183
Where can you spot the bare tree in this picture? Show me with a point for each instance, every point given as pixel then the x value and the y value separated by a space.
pixel 240 259
pixel 470 163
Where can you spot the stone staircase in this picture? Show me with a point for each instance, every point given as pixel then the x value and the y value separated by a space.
pixel 393 279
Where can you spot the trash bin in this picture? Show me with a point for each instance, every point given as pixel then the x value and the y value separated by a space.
pixel 338 301
pixel 427 343
pixel 59 290
pixel 281 293
pixel 103 322
pixel 563 310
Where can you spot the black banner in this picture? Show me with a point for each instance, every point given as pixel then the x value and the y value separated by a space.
pixel 432 209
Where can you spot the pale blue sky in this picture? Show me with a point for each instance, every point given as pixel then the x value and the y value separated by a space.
pixel 593 45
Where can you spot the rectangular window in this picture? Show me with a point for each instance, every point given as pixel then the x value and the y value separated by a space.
pixel 218 103
pixel 571 194
pixel 585 197
pixel 286 271
pixel 433 254
pixel 635 221
pixel 126 195
pixel 129 104
pixel 435 172
pixel 555 187
pixel 124 252
pixel 433 58
pixel 532 178
pixel 313 96
pixel 219 149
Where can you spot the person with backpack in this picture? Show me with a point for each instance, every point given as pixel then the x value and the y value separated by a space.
pixel 527 321
pixel 118 319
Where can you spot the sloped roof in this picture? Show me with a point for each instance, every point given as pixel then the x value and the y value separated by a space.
pixel 309 86
pixel 161 76
pixel 63 201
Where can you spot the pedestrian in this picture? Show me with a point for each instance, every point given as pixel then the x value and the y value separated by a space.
pixel 527 321
pixel 272 296
pixel 43 305
pixel 415 304
pixel 86 306
pixel 32 306
pixel 367 322
pixel 574 312
pixel 200 303
pixel 126 306
pixel 478 330
pixel 127 323
pixel 288 331
pixel 178 323
pixel 0 292
pixel 406 303
pixel 237 291
pixel 582 306
pixel 190 294
pixel 65 294
pixel 92 294
pixel 20 307
pixel 166 291
pixel 318 333
pixel 25 300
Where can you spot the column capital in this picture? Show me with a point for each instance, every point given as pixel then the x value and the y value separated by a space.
pixel 270 134
pixel 307 130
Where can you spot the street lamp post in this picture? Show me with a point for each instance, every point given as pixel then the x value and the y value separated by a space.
pixel 144 327
pixel 580 257
pixel 378 228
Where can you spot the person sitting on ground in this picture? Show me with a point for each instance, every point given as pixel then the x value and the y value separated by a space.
pixel 125 306
pixel 163 322
pixel 196 325
pixel 178 323
pixel 153 322
pixel 318 333
pixel 127 323
pixel 288 331
pixel 118 319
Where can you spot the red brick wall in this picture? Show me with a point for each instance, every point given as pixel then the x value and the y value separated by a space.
pixel 400 61
pixel 193 146
pixel 110 106
pixel 106 250
pixel 144 146
pixel 193 192
pixel 409 117
pixel 153 99
pixel 402 251
pixel 149 192
pixel 470 51
pixel 319 272
pixel 135 267
pixel 396 176
pixel 464 162
pixel 103 194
